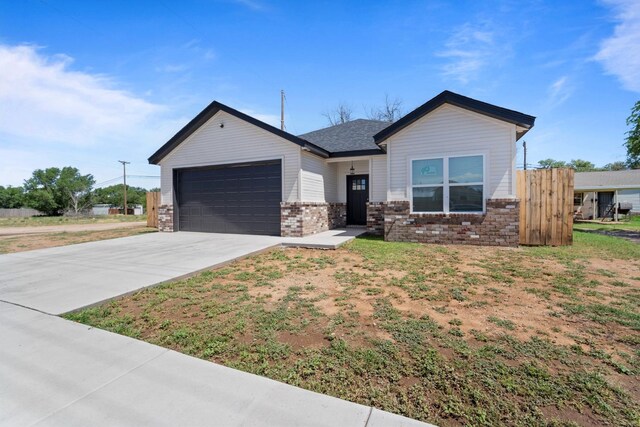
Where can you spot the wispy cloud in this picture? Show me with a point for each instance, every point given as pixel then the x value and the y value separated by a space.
pixel 620 53
pixel 172 68
pixel 54 115
pixel 251 4
pixel 468 51
pixel 559 91
pixel 42 98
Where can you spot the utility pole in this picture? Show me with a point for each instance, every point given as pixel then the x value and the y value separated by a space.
pixel 282 110
pixel 524 145
pixel 124 175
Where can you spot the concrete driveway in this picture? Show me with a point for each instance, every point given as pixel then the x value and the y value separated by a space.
pixel 66 278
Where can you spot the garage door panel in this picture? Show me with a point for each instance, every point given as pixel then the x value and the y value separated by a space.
pixel 241 199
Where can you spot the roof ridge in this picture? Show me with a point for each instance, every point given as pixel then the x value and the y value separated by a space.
pixel 345 123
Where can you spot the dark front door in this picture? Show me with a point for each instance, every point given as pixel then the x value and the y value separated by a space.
pixel 357 198
pixel 605 200
pixel 237 198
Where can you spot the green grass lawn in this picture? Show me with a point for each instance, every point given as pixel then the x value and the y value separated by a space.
pixel 632 225
pixel 63 220
pixel 451 335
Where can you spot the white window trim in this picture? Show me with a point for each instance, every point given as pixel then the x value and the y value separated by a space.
pixel 445 185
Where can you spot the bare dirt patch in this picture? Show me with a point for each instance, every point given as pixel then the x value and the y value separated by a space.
pixel 28 242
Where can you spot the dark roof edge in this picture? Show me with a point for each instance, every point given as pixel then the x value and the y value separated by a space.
pixel 355 153
pixel 448 97
pixel 210 111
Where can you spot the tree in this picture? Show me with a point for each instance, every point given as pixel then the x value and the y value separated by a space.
pixel 551 163
pixel 580 165
pixel 11 197
pixel 54 190
pixel 615 166
pixel 341 114
pixel 390 112
pixel 632 142
pixel 76 189
pixel 114 195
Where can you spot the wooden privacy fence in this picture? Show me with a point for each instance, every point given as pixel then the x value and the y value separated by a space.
pixel 153 201
pixel 19 213
pixel 546 207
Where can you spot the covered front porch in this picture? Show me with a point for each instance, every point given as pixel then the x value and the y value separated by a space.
pixel 342 195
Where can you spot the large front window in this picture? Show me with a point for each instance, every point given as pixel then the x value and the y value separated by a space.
pixel 448 184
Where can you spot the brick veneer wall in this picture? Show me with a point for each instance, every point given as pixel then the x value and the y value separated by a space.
pixel 497 227
pixel 375 218
pixel 165 218
pixel 299 219
pixel 337 215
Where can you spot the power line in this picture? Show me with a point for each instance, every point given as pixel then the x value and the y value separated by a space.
pixel 100 184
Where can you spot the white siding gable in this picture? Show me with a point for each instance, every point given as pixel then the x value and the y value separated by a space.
pixel 452 131
pixel 238 141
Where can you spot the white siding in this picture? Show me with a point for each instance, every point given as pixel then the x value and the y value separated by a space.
pixel 378 179
pixel 360 166
pixel 630 196
pixel 237 142
pixel 318 183
pixel 450 131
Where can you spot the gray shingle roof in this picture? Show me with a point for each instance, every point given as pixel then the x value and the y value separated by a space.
pixel 355 135
pixel 607 179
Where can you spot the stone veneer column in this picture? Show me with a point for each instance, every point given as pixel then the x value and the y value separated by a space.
pixel 337 215
pixel 498 226
pixel 165 218
pixel 375 218
pixel 299 219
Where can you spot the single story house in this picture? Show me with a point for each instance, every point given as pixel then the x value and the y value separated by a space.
pixel 444 173
pixel 596 194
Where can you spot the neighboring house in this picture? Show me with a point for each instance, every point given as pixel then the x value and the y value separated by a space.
pixel 107 209
pixel 596 192
pixel 444 173
pixel 100 209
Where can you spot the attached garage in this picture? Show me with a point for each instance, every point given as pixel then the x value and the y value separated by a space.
pixel 242 198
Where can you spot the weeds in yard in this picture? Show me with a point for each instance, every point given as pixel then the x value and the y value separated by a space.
pixel 394 325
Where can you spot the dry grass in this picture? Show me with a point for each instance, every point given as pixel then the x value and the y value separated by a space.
pixel 28 242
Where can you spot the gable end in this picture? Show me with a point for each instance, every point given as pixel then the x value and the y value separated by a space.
pixel 521 120
pixel 211 111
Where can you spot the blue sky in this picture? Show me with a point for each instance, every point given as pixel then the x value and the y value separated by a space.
pixel 87 83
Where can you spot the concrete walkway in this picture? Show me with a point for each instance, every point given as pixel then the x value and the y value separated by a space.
pixel 69 228
pixel 331 239
pixel 55 372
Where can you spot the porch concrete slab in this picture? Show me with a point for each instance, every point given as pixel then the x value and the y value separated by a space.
pixel 331 239
pixel 54 372
pixel 66 278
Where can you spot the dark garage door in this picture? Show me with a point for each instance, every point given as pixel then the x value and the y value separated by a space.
pixel 239 198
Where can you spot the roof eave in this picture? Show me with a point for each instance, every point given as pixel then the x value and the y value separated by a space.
pixel 356 153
